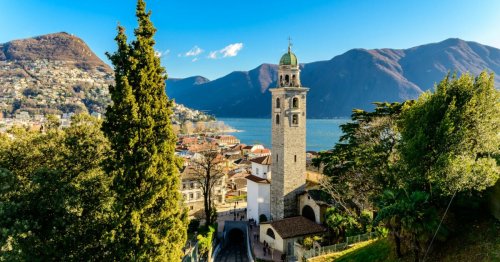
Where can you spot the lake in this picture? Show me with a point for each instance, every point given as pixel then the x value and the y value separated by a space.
pixel 322 134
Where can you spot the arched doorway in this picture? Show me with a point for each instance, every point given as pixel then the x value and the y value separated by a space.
pixel 308 213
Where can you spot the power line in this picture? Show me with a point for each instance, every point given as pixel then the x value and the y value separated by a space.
pixel 435 233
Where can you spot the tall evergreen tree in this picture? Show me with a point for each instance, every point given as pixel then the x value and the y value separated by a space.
pixel 151 223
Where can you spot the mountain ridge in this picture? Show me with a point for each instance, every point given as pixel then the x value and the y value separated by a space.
pixel 354 79
pixel 60 46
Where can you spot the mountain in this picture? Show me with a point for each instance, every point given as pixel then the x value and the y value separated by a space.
pixel 58 73
pixel 53 47
pixel 354 79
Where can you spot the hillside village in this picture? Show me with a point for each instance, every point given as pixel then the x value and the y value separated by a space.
pixel 31 90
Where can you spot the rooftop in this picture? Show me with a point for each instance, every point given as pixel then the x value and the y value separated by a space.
pixel 296 226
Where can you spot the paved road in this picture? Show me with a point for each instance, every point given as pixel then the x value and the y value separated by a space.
pixel 234 252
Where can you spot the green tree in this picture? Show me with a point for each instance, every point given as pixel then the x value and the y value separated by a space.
pixel 151 222
pixel 361 165
pixel 450 137
pixel 449 144
pixel 209 174
pixel 60 170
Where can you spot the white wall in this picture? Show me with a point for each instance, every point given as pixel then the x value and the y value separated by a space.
pixel 252 200
pixel 258 200
pixel 260 170
pixel 305 199
pixel 265 200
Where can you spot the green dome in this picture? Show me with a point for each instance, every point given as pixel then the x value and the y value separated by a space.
pixel 289 59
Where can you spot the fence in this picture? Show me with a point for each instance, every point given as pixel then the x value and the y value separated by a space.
pixel 319 251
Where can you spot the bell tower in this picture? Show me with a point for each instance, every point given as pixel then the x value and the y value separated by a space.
pixel 288 112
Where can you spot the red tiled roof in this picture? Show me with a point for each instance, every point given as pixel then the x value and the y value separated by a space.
pixel 296 226
pixel 261 151
pixel 257 179
pixel 263 160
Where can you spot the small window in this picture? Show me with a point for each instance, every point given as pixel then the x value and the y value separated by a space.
pixel 295 119
pixel 295 156
pixel 278 104
pixel 276 158
pixel 277 119
pixel 191 185
pixel 295 102
pixel 191 207
pixel 256 171
pixel 191 196
pixel 270 233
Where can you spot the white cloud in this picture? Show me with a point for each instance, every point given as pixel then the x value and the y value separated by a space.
pixel 195 51
pixel 228 51
pixel 194 59
pixel 231 50
pixel 212 55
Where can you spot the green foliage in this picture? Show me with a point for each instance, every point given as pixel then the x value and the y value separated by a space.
pixel 361 164
pixel 309 241
pixel 450 138
pixel 342 224
pixel 60 169
pixel 150 222
pixel 205 241
pixel 407 160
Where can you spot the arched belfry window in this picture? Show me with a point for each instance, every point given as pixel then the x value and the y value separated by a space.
pixel 295 102
pixel 270 233
pixel 294 81
pixel 295 119
pixel 278 104
pixel 287 80
pixel 277 119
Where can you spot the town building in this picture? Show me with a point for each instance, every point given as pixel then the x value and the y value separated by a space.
pixel 259 188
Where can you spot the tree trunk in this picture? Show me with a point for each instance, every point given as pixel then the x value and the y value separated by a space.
pixel 206 203
pixel 397 240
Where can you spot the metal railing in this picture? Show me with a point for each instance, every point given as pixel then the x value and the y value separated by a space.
pixel 320 251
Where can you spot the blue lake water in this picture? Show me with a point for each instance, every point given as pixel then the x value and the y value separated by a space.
pixel 322 134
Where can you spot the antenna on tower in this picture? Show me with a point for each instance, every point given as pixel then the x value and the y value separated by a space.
pixel 289 44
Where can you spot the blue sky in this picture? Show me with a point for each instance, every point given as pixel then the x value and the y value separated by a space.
pixel 225 36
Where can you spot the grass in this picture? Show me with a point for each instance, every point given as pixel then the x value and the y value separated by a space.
pixel 371 250
pixel 475 241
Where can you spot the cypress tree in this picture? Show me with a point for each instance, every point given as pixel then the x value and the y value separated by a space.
pixel 150 222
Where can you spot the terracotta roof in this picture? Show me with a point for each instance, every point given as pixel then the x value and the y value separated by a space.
pixel 257 179
pixel 263 160
pixel 296 226
pixel 261 151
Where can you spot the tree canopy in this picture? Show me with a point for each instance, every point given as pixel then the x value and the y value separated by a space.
pixel 151 222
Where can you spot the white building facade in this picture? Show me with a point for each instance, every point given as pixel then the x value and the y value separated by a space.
pixel 258 189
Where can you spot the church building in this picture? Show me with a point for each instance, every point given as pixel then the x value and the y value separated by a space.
pixel 288 165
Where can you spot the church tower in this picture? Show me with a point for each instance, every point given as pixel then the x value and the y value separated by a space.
pixel 288 112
